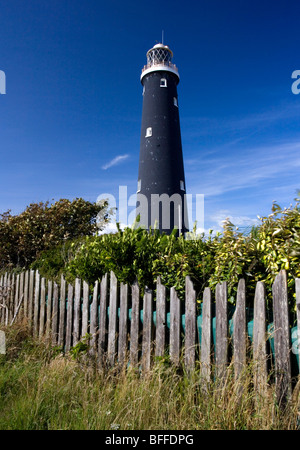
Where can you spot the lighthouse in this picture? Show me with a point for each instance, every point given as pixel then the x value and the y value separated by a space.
pixel 161 189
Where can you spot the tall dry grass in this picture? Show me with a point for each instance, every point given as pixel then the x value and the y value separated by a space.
pixel 41 389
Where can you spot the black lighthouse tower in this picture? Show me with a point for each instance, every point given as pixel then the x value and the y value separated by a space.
pixel 161 200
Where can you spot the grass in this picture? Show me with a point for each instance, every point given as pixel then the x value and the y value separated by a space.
pixel 41 389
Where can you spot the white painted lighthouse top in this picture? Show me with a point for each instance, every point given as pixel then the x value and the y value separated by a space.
pixel 159 57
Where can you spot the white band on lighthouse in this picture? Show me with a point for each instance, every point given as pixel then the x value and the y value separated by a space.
pixel 157 67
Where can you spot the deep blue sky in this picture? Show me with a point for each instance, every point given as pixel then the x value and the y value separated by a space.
pixel 73 99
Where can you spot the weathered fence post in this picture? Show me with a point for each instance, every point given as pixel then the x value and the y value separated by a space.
pixel 36 303
pixel 85 310
pixel 93 320
pixel 134 325
pixel 102 321
pixel 190 324
pixel 55 314
pixel 69 318
pixel 259 340
pixel 147 330
pixel 26 293
pixel 122 344
pixel 281 338
pixel 112 324
pixel 239 330
pixel 16 294
pixel 206 339
pixel 21 296
pixel 31 297
pixel 49 309
pixel 221 352
pixel 175 322
pixel 160 319
pixel 62 312
pixel 77 308
pixel 42 307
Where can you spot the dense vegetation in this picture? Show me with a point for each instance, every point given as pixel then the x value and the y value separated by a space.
pixel 136 254
pixel 63 238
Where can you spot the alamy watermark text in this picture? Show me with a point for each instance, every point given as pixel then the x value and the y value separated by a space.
pixel 2 82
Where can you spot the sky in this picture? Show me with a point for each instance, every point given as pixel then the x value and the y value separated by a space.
pixel 70 118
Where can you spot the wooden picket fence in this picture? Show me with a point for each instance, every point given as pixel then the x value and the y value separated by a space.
pixel 123 327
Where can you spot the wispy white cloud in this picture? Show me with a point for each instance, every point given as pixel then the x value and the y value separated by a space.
pixel 117 160
pixel 276 164
pixel 239 221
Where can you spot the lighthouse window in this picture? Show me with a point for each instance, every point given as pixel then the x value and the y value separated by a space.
pixel 163 82
pixel 182 185
pixel 175 101
pixel 149 132
pixel 139 186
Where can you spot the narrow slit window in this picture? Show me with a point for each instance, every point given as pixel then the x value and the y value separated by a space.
pixel 182 187
pixel 175 101
pixel 163 82
pixel 149 132
pixel 139 186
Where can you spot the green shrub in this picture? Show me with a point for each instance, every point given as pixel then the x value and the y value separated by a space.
pixel 136 254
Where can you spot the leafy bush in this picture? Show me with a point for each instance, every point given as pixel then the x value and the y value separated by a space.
pixel 228 256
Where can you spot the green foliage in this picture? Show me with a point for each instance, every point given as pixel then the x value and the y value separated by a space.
pixel 136 254
pixel 81 347
pixel 43 226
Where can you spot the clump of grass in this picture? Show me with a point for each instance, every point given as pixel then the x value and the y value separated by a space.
pixel 41 389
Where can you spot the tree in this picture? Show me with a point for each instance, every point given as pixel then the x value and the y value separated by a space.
pixel 43 226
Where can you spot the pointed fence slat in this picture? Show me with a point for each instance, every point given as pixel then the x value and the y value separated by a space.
pixel 21 297
pixel 190 324
pixel 102 320
pixel 26 293
pixel 49 308
pixel 77 308
pixel 85 310
pixel 134 324
pixel 206 339
pixel 122 343
pixel 36 304
pixel 239 330
pixel 42 307
pixel 160 319
pixel 69 327
pixel 281 338
pixel 54 328
pixel 93 320
pixel 175 326
pixel 147 330
pixel 112 324
pixel 62 312
pixel 31 297
pixel 221 350
pixel 260 339
pixel 16 293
